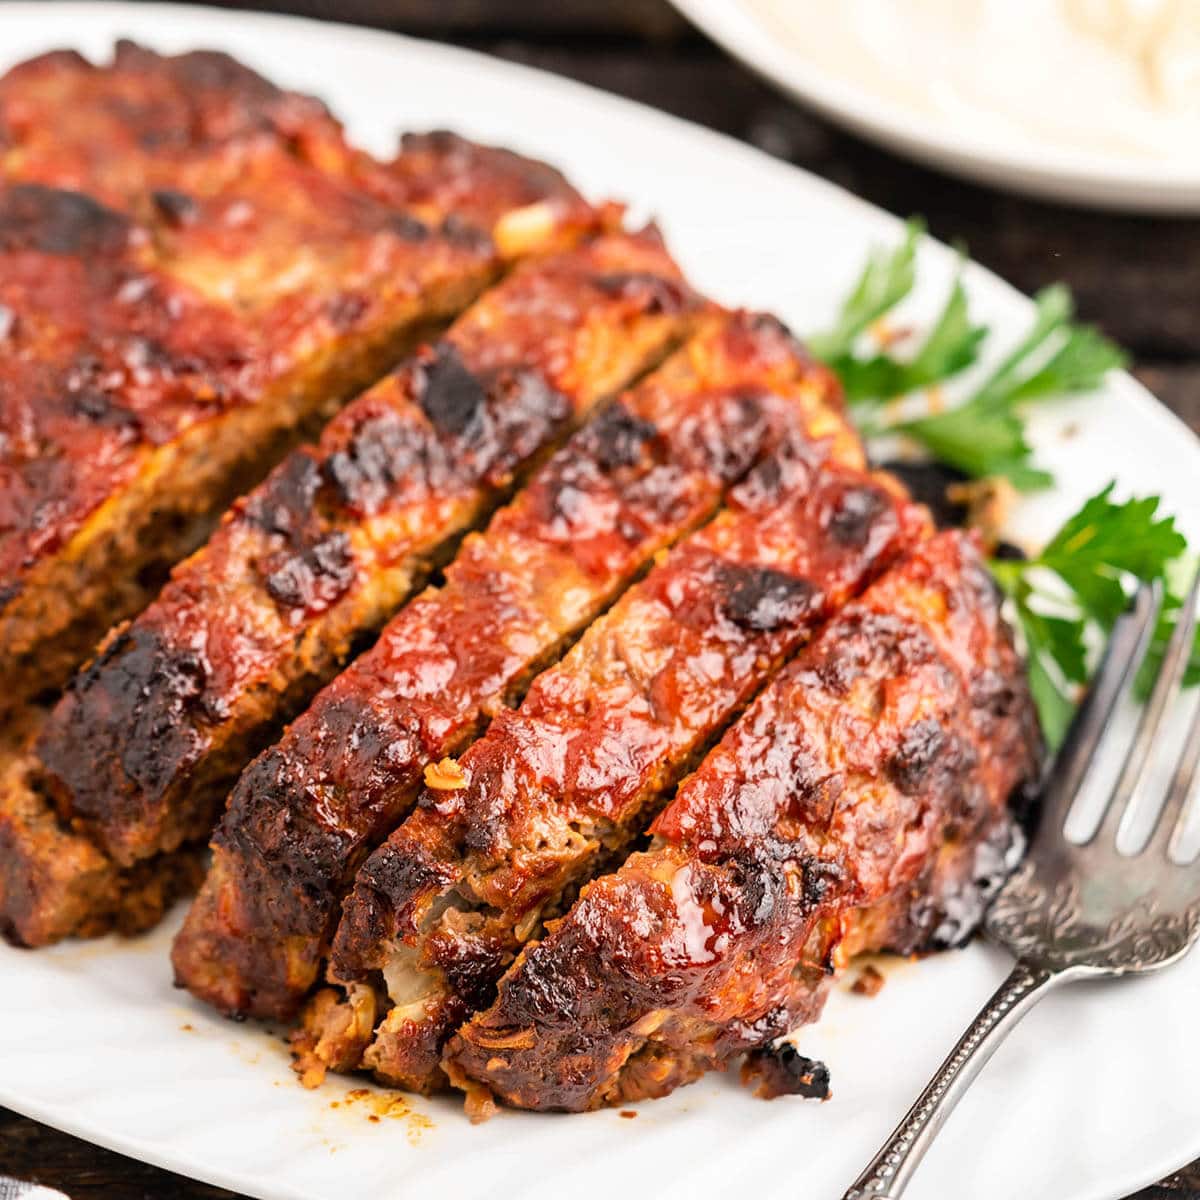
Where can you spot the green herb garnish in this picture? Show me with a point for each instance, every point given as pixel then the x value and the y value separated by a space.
pixel 1067 598
pixel 886 279
pixel 1070 594
pixel 984 434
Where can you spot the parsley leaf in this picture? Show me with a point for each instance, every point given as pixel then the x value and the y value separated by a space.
pixel 985 434
pixel 886 279
pixel 951 346
pixel 1074 590
pixel 980 444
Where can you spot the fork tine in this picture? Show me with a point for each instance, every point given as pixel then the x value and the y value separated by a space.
pixel 1168 824
pixel 1138 757
pixel 1127 646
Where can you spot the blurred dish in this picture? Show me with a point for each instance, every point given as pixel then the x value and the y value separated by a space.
pixel 1091 101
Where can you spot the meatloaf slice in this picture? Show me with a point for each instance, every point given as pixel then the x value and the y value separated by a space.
pixel 54 881
pixel 644 472
pixel 146 741
pixel 855 806
pixel 255 277
pixel 567 781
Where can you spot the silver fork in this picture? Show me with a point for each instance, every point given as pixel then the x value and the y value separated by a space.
pixel 1077 910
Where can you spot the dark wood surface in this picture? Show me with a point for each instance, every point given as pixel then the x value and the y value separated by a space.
pixel 1137 278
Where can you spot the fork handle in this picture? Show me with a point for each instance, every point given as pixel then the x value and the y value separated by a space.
pixel 890 1170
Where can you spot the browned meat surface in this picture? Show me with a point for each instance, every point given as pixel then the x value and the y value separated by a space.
pixel 852 807
pixel 515 886
pixel 55 882
pixel 142 747
pixel 227 271
pixel 644 472
pixel 224 273
pixel 146 741
pixel 115 130
pixel 105 363
pixel 559 786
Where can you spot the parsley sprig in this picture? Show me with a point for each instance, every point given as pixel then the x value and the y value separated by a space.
pixel 1067 597
pixel 984 434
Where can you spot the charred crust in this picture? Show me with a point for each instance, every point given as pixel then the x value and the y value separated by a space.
pixel 548 988
pixel 177 209
pixel 490 420
pixel 758 886
pixel 616 438
pixel 927 483
pixel 316 577
pixel 384 450
pixel 451 395
pixel 766 479
pixel 99 408
pixel 781 1070
pixel 386 889
pixel 49 221
pixel 912 763
pixel 313 566
pixel 275 811
pixel 855 513
pixel 408 228
pixel 959 910
pixel 142 694
pixel 271 829
pixel 470 966
pixel 284 504
pixel 730 437
pixel 655 293
pixel 761 599
pixel 791 465
pixel 821 879
pixel 522 409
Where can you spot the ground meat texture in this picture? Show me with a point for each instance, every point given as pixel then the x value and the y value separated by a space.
pixel 54 881
pixel 642 473
pixel 200 267
pixel 797 843
pixel 146 742
pixel 568 780
pixel 196 269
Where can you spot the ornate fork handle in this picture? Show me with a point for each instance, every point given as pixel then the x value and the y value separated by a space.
pixel 890 1170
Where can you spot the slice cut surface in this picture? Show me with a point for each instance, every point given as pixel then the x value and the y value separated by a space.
pixel 645 471
pixel 859 804
pixel 570 778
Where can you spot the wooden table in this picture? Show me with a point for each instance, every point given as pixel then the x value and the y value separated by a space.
pixel 1137 278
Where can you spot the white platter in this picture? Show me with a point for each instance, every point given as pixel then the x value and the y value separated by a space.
pixel 841 59
pixel 1095 1095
